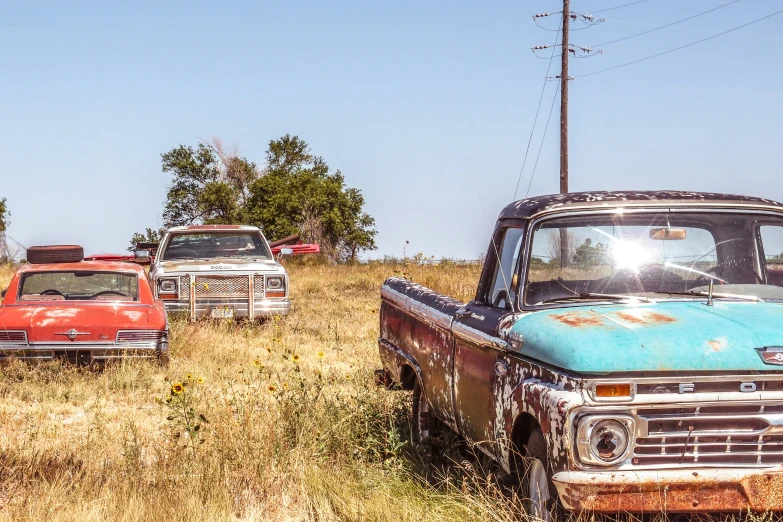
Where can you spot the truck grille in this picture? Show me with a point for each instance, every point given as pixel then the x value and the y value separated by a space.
pixel 258 286
pixel 741 434
pixel 184 287
pixel 215 286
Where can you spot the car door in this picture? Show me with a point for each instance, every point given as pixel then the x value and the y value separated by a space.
pixel 476 338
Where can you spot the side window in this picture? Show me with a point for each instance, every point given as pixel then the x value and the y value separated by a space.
pixel 772 242
pixel 503 289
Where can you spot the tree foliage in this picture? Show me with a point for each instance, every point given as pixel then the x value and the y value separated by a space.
pixel 588 254
pixel 149 236
pixel 295 194
pixel 5 216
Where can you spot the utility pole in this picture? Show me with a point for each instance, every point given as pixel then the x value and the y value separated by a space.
pixel 564 98
pixel 565 50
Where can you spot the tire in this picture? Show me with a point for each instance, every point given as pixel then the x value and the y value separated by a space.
pixel 55 254
pixel 538 491
pixel 425 427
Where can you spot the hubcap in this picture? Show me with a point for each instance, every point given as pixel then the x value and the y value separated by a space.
pixel 538 490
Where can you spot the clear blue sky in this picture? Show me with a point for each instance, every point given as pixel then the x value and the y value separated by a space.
pixel 398 95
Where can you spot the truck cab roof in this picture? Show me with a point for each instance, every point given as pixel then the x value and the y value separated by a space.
pixel 532 207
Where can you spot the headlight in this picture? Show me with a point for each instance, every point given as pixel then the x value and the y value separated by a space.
pixel 274 283
pixel 604 441
pixel 168 286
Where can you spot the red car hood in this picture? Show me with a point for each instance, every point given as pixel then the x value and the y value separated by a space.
pixel 50 322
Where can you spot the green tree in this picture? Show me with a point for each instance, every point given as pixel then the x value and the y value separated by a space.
pixel 299 194
pixel 588 254
pixel 149 236
pixel 5 222
pixel 295 194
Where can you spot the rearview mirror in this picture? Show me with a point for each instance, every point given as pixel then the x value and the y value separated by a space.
pixel 668 234
pixel 285 253
pixel 142 257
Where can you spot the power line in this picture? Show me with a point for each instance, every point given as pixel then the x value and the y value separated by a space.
pixel 535 120
pixel 682 46
pixel 533 174
pixel 618 7
pixel 668 25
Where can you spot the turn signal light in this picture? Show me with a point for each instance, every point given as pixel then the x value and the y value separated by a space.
pixel 275 294
pixel 613 390
pixel 168 296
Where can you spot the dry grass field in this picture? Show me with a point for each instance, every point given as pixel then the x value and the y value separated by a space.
pixel 274 421
pixel 286 423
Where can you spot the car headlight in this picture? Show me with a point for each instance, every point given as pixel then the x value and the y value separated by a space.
pixel 604 441
pixel 274 283
pixel 167 286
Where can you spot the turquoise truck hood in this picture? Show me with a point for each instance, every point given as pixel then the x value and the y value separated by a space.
pixel 663 336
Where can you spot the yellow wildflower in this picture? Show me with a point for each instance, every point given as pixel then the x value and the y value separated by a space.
pixel 272 388
pixel 189 377
pixel 295 358
pixel 320 355
pixel 256 363
pixel 177 388
pixel 200 380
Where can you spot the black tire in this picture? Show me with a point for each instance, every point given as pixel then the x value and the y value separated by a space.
pixel 426 429
pixel 55 254
pixel 536 452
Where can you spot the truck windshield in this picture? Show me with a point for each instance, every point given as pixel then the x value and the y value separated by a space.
pixel 656 255
pixel 79 285
pixel 215 245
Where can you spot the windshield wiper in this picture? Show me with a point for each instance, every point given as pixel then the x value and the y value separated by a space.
pixel 593 296
pixel 702 293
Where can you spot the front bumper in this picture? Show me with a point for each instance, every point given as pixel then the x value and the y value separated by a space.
pixel 673 491
pixel 202 308
pixel 82 355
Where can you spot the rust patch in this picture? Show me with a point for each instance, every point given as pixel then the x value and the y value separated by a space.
pixel 645 317
pixel 577 320
pixel 715 345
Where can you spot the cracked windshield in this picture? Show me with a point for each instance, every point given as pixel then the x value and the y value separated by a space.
pixel 209 246
pixel 656 256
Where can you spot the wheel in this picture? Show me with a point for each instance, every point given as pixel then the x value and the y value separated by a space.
pixel 55 254
pixel 537 487
pixel 424 426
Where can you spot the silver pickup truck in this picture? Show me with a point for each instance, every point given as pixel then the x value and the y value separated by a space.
pixel 219 271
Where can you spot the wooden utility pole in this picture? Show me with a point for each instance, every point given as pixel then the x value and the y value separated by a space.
pixel 564 51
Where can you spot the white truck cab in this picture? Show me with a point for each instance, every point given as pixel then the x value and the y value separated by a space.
pixel 219 271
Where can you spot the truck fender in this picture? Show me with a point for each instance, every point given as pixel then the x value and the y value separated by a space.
pixel 535 403
pixel 403 367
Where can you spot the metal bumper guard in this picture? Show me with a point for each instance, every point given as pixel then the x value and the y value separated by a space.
pixel 673 491
pixel 245 293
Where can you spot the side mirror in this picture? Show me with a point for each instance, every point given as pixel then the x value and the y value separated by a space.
pixel 142 257
pixel 285 253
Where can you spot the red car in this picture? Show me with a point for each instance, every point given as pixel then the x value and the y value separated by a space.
pixel 85 312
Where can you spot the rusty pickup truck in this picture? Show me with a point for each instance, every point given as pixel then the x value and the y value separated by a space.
pixel 623 352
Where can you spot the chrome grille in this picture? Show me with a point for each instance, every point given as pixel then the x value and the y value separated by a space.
pixel 258 286
pixel 13 336
pixel 736 434
pixel 139 335
pixel 215 286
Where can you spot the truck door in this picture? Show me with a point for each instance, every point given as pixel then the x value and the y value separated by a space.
pixel 476 339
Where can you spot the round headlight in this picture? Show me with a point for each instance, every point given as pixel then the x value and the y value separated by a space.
pixel 608 440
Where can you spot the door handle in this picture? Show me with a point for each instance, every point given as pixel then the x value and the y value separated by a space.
pixel 462 313
pixel 501 369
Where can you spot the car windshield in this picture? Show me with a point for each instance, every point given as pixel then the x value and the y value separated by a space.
pixel 211 245
pixel 656 255
pixel 79 285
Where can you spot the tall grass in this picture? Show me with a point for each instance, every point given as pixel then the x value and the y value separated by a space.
pixel 274 421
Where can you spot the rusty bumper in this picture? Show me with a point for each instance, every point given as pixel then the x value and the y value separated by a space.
pixel 673 491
